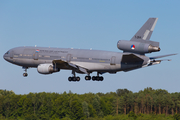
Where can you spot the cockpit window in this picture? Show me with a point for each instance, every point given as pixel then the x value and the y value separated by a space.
pixel 7 52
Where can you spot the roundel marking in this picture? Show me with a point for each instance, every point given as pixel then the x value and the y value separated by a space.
pixel 132 47
pixel 37 50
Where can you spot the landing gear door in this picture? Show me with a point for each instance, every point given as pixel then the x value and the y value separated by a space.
pixel 113 60
pixel 68 58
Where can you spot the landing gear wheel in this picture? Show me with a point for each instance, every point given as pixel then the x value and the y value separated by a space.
pixel 78 79
pixel 74 78
pixel 87 77
pixel 101 78
pixel 70 79
pixel 25 74
pixel 97 78
pixel 93 78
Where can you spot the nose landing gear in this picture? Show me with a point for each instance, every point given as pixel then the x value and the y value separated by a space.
pixel 25 74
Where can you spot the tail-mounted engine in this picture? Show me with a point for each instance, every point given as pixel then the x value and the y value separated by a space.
pixel 47 69
pixel 140 46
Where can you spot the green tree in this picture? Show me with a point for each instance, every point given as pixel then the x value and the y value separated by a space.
pixel 85 109
pixel 96 105
pixel 61 107
pixel 132 115
pixel 92 111
pixel 122 92
pixel 6 105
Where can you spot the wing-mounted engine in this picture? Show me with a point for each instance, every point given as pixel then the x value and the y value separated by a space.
pixel 139 47
pixel 47 69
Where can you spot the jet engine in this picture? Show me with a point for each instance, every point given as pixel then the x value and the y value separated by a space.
pixel 140 47
pixel 47 69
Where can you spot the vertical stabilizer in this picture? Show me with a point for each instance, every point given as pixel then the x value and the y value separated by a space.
pixel 146 30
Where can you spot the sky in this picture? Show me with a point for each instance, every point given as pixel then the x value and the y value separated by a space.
pixel 88 24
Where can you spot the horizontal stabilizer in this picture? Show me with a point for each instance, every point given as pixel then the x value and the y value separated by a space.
pixel 161 56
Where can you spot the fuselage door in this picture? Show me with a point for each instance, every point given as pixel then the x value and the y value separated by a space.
pixel 36 55
pixel 68 57
pixel 113 60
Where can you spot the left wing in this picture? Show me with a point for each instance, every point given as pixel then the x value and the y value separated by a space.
pixel 161 56
pixel 152 61
pixel 67 65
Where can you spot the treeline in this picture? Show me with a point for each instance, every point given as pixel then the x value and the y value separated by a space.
pixel 34 106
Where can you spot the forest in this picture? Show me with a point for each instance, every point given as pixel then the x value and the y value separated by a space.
pixel 120 105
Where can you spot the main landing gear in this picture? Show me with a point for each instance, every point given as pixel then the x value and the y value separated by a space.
pixel 97 78
pixel 87 78
pixel 94 78
pixel 74 78
pixel 25 74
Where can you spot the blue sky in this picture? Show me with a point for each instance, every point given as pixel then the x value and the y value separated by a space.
pixel 96 24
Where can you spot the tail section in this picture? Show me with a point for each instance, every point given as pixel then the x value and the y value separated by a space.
pixel 146 30
pixel 140 42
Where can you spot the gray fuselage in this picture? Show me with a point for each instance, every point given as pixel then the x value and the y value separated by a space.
pixel 93 60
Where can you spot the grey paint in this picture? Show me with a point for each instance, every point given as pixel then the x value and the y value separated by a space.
pixel 88 61
pixel 148 28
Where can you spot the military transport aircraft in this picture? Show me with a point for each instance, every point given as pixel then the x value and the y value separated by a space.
pixel 50 60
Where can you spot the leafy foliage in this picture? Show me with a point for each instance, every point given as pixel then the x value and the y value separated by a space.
pixel 123 104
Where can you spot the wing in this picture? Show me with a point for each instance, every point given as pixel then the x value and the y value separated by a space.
pixel 66 65
pixel 152 61
pixel 146 30
pixel 161 56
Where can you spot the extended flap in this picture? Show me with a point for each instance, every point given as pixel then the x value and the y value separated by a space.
pixel 131 59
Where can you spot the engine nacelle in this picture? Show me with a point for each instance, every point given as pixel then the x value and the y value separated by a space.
pixel 47 69
pixel 138 47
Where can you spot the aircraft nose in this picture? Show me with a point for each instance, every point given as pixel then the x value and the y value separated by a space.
pixel 4 57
